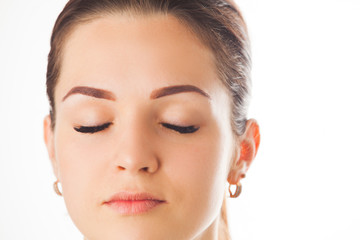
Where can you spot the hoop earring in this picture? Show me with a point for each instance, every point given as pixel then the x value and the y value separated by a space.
pixel 56 188
pixel 237 190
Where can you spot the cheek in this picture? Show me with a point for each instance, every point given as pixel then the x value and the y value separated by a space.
pixel 198 176
pixel 196 164
pixel 79 164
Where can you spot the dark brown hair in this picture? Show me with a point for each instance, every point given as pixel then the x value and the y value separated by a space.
pixel 217 23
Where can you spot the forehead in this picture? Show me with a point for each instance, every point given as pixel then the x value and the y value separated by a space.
pixel 120 47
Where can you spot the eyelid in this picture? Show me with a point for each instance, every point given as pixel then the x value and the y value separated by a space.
pixel 92 129
pixel 181 129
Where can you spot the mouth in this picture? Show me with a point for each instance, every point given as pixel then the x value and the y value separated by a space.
pixel 125 203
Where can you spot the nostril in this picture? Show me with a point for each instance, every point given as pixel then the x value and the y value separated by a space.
pixel 145 169
pixel 121 168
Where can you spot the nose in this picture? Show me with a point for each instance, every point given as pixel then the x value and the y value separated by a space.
pixel 136 150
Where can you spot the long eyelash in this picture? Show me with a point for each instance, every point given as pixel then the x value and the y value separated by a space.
pixel 182 130
pixel 92 129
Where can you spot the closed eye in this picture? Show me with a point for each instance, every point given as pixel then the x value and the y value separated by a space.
pixel 92 129
pixel 181 129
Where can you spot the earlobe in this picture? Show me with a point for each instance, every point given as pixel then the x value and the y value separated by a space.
pixel 49 142
pixel 247 148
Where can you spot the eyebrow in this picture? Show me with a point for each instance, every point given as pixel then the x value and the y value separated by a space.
pixel 92 92
pixel 166 91
pixel 158 93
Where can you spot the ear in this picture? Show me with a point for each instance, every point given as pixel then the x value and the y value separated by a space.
pixel 246 149
pixel 49 141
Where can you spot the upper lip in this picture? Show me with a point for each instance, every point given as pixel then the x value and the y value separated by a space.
pixel 131 196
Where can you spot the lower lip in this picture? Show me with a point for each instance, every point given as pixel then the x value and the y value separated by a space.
pixel 133 207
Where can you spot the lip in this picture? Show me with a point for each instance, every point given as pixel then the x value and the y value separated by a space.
pixel 126 203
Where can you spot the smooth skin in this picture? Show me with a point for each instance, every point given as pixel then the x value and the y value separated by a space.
pixel 132 57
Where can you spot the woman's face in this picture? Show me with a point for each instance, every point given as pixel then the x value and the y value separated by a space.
pixel 143 141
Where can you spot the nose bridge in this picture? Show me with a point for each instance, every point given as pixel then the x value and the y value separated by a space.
pixel 135 149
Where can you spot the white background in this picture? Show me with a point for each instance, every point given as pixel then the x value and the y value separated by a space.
pixel 304 183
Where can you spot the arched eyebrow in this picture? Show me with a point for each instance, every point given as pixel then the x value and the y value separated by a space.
pixel 166 91
pixel 158 93
pixel 92 92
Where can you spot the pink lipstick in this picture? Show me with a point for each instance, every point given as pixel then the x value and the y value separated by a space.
pixel 126 203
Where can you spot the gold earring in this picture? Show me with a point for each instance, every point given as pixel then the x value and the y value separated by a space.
pixel 237 190
pixel 238 187
pixel 56 188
